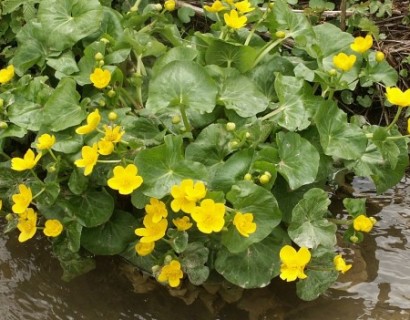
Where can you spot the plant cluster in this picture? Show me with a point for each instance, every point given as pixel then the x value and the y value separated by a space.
pixel 197 155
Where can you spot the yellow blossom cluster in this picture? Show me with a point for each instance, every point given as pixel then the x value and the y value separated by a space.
pixel 236 18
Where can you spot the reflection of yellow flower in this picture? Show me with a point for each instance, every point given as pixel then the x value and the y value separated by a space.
pixel 21 200
pixel 244 6
pixel 293 263
pixel 27 225
pixel 6 74
pixel 171 273
pixel 152 231
pixel 361 44
pixel 125 180
pixel 340 264
pixel 100 78
pixel 93 119
pixel 186 195
pixel 144 249
pixel 344 62
pixel 244 223
pixel 209 217
pixel 362 223
pixel 89 159
pixel 397 97
pixel 234 21
pixel 28 161
pixel 183 223
pixel 45 141
pixel 53 228
pixel 156 209
pixel 216 7
pixel 169 5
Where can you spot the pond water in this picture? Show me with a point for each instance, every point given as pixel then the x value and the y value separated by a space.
pixel 377 287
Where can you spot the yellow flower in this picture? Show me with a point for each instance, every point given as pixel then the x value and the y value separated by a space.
pixel 6 74
pixel 100 78
pixel 113 134
pixel 45 141
pixel 27 162
pixel 234 21
pixel 105 148
pixel 21 200
pixel 216 7
pixel 344 62
pixel 379 56
pixel 169 5
pixel 171 273
pixel 244 6
pixel 361 44
pixel 244 223
pixel 209 217
pixel 183 223
pixel 340 264
pixel 93 119
pixel 89 159
pixel 144 249
pixel 397 97
pixel 53 228
pixel 363 223
pixel 186 195
pixel 293 263
pixel 152 231
pixel 156 209
pixel 27 225
pixel 125 180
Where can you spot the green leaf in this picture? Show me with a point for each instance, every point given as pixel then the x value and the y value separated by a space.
pixel 318 279
pixel 182 83
pixel 308 228
pixel 9 6
pixel 65 63
pixel 338 137
pixel 67 21
pixel 226 54
pixel 211 145
pixel 67 141
pixel 73 263
pixel 247 197
pixel 240 94
pixel 12 131
pixel 49 192
pixel 112 237
pixel 91 209
pixel 295 115
pixel 185 14
pixel 62 110
pixel 178 240
pixel 388 148
pixel 73 231
pixel 174 54
pixel 164 166
pixel 77 183
pixel 193 259
pixel 233 170
pixel 299 159
pixel 378 72
pixel 26 114
pixel 355 207
pixel 198 275
pixel 253 267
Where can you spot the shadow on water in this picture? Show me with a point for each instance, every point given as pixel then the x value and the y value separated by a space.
pixel 377 287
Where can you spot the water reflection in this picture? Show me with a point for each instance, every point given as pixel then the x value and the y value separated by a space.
pixel 377 287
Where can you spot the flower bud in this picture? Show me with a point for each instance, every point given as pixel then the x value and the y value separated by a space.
pixel 280 34
pixel 332 72
pixel 379 56
pixel 268 174
pixel 51 169
pixel 111 93
pixel 247 177
pixel 234 144
pixel 98 56
pixel 373 220
pixel 3 125
pixel 101 63
pixel 112 116
pixel 157 7
pixel 105 40
pixel 101 103
pixel 354 239
pixel 1 103
pixel 176 119
pixel 247 135
pixel 264 179
pixel 230 126
pixel 169 5
pixel 9 217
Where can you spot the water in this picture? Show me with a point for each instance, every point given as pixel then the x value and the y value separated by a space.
pixel 377 287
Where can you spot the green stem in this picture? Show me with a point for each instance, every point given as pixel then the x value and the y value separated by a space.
pixel 252 32
pixel 331 92
pixel 39 193
pixel 273 113
pixel 109 161
pixel 396 117
pixel 36 176
pixel 266 49
pixel 53 155
pixel 185 120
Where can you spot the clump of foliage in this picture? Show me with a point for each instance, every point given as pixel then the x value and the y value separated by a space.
pixel 189 154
